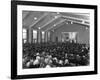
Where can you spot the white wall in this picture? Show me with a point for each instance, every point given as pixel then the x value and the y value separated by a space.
pixel 5 29
pixel 83 34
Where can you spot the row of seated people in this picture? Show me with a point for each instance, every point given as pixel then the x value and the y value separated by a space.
pixel 55 55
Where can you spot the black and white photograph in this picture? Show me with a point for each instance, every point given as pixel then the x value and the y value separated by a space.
pixel 55 39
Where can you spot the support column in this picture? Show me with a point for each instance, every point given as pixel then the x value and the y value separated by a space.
pixel 39 36
pixel 29 35
pixel 76 37
pixel 46 36
pixel 51 35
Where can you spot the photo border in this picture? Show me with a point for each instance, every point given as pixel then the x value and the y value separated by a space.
pixel 14 39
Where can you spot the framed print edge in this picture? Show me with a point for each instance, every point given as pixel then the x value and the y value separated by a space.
pixel 13 40
pixel 96 38
pixel 14 73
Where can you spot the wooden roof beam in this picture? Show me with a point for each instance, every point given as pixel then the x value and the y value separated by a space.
pixel 34 23
pixel 50 22
pixel 68 17
pixel 55 25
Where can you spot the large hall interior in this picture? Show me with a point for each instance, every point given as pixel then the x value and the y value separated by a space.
pixel 55 39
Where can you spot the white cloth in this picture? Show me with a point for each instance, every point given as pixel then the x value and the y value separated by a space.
pixel 48 66
pixel 66 55
pixel 60 62
pixel 54 58
pixel 66 61
pixel 31 60
pixel 46 60
pixel 50 61
pixel 38 57
pixel 36 62
pixel 37 53
pixel 27 64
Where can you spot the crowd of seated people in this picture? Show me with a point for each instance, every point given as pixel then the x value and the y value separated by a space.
pixel 45 55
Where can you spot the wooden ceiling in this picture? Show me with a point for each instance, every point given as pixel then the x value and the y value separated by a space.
pixel 51 20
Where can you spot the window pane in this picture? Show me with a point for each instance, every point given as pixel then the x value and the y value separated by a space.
pixel 43 34
pixel 24 33
pixel 34 34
